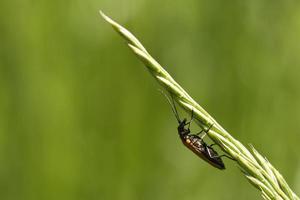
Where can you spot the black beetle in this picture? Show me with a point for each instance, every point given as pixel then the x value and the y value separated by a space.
pixel 194 142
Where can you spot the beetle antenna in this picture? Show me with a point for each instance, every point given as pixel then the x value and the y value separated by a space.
pixel 172 106
pixel 175 109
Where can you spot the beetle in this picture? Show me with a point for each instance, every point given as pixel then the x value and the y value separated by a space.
pixel 196 143
pixel 198 146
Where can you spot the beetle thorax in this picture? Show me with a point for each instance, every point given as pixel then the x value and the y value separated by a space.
pixel 182 131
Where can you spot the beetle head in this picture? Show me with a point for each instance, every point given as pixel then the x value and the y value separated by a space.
pixel 182 131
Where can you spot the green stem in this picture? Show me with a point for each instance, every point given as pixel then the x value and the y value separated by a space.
pixel 255 167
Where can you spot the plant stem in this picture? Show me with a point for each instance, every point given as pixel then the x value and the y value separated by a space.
pixel 257 169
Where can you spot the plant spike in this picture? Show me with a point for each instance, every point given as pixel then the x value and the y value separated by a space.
pixel 257 169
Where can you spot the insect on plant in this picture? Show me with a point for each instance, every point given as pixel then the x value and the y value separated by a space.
pixel 257 169
pixel 195 142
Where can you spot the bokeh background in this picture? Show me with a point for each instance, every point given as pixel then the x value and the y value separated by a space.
pixel 81 118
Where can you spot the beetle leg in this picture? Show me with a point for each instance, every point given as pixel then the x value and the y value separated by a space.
pixel 211 156
pixel 192 117
pixel 205 132
pixel 224 156
pixel 209 128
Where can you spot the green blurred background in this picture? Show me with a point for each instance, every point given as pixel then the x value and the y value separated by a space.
pixel 81 118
